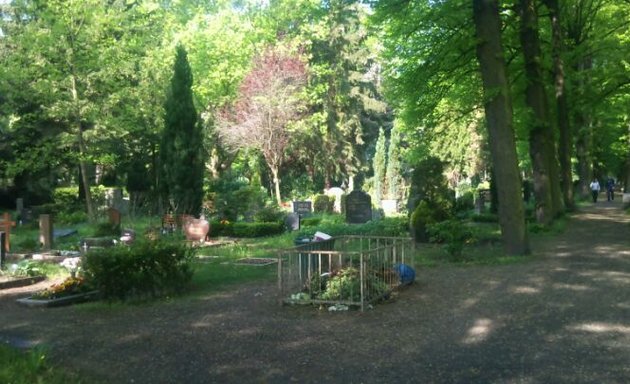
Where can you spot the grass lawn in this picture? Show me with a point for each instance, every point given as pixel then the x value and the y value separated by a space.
pixel 31 366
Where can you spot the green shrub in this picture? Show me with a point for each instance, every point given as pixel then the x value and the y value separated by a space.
pixel 465 202
pixel 346 285
pixel 28 244
pixel 269 214
pixel 74 217
pixel 66 198
pixel 26 268
pixel 104 229
pixel 144 269
pixel 247 230
pixel 425 214
pixel 388 226
pixel 310 221
pixel 485 218
pixel 323 204
pixel 257 229
pixel 453 234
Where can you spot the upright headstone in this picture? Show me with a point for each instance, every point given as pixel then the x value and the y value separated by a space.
pixel 45 232
pixel 114 217
pixel 19 208
pixel 3 254
pixel 292 222
pixel 302 208
pixel 336 192
pixel 358 207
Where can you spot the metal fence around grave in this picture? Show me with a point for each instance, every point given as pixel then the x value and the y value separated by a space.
pixel 350 270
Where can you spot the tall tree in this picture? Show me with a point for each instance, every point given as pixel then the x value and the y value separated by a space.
pixel 267 109
pixel 393 174
pixel 500 129
pixel 181 151
pixel 379 165
pixel 541 138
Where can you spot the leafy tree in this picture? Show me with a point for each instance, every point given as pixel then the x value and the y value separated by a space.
pixel 499 121
pixel 267 109
pixel 393 173
pixel 181 151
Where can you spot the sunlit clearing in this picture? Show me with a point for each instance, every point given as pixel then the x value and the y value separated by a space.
pixel 601 328
pixel 479 332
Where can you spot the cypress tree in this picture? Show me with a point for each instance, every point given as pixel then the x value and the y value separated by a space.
pixel 181 153
pixel 393 175
pixel 378 164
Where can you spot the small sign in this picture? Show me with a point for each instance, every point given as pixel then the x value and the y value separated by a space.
pixel 302 207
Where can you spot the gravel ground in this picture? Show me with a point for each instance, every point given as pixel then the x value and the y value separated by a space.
pixel 562 318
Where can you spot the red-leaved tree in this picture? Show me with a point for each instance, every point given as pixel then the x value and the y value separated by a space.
pixel 268 104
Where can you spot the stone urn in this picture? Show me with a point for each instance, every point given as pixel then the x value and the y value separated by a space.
pixel 196 229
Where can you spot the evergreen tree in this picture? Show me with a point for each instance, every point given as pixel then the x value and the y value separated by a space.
pixel 393 177
pixel 378 164
pixel 181 154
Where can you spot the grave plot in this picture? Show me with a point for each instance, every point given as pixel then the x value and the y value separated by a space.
pixel 349 270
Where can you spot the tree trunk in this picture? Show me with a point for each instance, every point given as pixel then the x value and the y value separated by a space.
pixel 85 179
pixel 541 139
pixel 565 143
pixel 276 183
pixel 498 110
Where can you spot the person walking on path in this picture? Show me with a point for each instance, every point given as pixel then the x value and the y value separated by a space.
pixel 610 189
pixel 595 189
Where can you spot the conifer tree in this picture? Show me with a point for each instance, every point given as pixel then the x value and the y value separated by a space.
pixel 393 177
pixel 181 153
pixel 378 163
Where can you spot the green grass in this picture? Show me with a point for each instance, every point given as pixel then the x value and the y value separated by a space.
pixel 31 366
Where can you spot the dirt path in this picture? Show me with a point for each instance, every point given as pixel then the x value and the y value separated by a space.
pixel 563 318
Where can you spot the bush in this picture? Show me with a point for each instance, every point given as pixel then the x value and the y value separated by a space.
pixel 346 285
pixel 323 204
pixel 145 269
pixel 453 234
pixel 248 230
pixel 388 226
pixel 425 214
pixel 269 215
pixel 104 229
pixel 485 218
pixel 465 202
pixel 310 221
pixel 75 217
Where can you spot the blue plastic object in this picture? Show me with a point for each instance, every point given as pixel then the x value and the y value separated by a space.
pixel 406 273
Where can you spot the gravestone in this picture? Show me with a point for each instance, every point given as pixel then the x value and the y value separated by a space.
pixel 45 232
pixel 336 192
pixel 292 222
pixel 302 208
pixel 358 207
pixel 19 208
pixel 390 207
pixel 3 254
pixel 5 225
pixel 114 217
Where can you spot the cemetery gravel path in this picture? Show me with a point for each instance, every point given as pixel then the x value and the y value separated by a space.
pixel 563 317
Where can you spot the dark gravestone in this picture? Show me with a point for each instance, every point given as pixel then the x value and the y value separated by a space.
pixel 358 207
pixel 2 252
pixel 302 208
pixel 292 222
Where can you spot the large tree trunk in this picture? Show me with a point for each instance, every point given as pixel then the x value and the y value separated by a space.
pixel 500 130
pixel 85 179
pixel 584 137
pixel 565 143
pixel 541 138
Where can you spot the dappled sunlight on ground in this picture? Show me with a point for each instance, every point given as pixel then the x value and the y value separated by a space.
pixel 479 332
pixel 573 287
pixel 525 290
pixel 601 328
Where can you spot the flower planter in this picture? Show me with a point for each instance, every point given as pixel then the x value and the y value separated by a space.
pixel 61 301
pixel 21 282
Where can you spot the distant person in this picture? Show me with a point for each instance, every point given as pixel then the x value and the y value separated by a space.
pixel 610 189
pixel 595 189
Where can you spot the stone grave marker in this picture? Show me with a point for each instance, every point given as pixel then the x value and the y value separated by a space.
pixel 302 208
pixel 45 232
pixel 358 207
pixel 292 222
pixel 5 226
pixel 19 208
pixel 114 217
pixel 3 254
pixel 335 192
